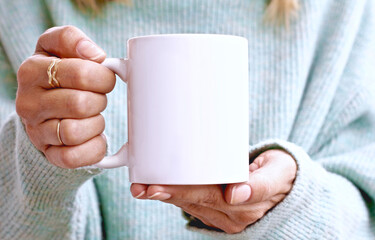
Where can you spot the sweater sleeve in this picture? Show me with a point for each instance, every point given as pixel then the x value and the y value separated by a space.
pixel 333 195
pixel 8 87
pixel 38 200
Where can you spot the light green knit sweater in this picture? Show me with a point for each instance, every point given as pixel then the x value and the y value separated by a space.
pixel 309 95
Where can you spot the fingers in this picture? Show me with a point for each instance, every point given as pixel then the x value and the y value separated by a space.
pixel 139 190
pixel 44 134
pixel 65 103
pixel 237 193
pixel 78 131
pixel 72 131
pixel 209 216
pixel 205 195
pixel 78 102
pixel 259 188
pixel 270 179
pixel 70 73
pixel 271 174
pixel 69 42
pixel 86 154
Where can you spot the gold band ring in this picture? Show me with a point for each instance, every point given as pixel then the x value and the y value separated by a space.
pixel 51 72
pixel 58 133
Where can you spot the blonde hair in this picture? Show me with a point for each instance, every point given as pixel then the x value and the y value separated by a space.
pixel 277 11
pixel 281 11
pixel 96 5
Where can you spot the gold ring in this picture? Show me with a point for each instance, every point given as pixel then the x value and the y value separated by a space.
pixel 58 133
pixel 51 72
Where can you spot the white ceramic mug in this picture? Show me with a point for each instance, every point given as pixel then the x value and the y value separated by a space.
pixel 187 109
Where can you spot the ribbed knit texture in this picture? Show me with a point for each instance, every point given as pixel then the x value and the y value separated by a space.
pixel 308 86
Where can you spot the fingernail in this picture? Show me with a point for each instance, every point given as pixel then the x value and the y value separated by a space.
pixel 240 194
pixel 89 50
pixel 141 194
pixel 160 196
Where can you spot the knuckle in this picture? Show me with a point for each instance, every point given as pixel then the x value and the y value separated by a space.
pixel 269 153
pixel 233 228
pixel 27 109
pixel 43 37
pixel 21 108
pixel 66 33
pixel 45 34
pixel 243 218
pixel 272 153
pixel 111 81
pixel 26 69
pixel 23 72
pixel 256 216
pixel 77 104
pixel 100 152
pixel 61 37
pixel 32 134
pixel 247 218
pixel 191 207
pixel 69 158
pixel 81 76
pixel 104 102
pixel 210 199
pixel 102 149
pixel 69 130
pixel 27 102
pixel 251 217
pixel 101 123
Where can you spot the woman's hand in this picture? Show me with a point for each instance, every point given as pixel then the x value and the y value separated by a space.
pixel 75 105
pixel 232 209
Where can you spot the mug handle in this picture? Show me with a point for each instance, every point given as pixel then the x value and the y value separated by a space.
pixel 120 67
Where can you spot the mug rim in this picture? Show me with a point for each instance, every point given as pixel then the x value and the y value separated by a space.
pixel 184 35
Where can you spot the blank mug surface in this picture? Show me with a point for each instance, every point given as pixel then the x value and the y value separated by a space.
pixel 188 109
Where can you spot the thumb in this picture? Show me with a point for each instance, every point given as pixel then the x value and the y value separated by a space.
pixel 237 193
pixel 262 185
pixel 69 42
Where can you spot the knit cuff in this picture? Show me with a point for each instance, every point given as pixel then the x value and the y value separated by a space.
pixel 39 174
pixel 37 198
pixel 278 222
